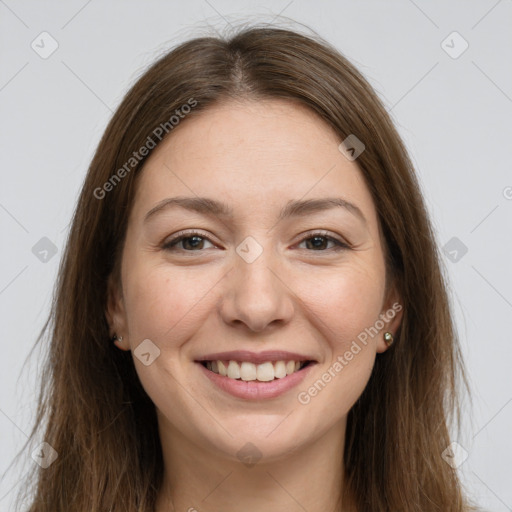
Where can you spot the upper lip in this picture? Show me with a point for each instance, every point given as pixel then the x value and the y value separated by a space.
pixel 255 357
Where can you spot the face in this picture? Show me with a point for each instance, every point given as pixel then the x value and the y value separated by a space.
pixel 264 271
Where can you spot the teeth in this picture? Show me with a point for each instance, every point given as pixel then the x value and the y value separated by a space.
pixel 246 371
pixel 264 372
pixel 234 370
pixel 279 369
pixel 222 369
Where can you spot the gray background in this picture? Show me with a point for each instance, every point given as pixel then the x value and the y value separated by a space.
pixel 453 113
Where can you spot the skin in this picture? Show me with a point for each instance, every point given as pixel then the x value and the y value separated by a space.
pixel 195 299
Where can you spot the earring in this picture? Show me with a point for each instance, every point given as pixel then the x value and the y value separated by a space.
pixel 388 338
pixel 117 338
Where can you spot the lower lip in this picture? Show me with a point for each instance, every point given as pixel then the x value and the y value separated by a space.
pixel 255 390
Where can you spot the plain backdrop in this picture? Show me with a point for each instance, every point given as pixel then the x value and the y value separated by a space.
pixel 443 71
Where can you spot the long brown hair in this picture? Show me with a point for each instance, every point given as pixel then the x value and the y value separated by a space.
pixel 92 408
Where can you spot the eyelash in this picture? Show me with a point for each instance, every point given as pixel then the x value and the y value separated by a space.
pixel 168 246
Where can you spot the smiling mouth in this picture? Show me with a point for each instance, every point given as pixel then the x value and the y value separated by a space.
pixel 247 371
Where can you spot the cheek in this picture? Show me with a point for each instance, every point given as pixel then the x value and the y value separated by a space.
pixel 354 303
pixel 344 302
pixel 342 307
pixel 160 300
pixel 162 305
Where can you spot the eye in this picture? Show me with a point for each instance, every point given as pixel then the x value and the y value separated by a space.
pixel 319 240
pixel 194 242
pixel 191 242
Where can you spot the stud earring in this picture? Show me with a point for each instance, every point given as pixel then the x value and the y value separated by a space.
pixel 388 338
pixel 117 338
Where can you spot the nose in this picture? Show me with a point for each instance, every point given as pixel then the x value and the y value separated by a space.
pixel 257 294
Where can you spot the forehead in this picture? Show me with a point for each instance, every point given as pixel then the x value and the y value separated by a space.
pixel 253 153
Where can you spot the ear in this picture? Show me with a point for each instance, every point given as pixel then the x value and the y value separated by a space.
pixel 115 313
pixel 391 315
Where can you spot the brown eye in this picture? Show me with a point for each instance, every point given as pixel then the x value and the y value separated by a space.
pixel 319 242
pixel 190 242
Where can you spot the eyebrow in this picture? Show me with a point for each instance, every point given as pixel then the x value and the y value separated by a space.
pixel 294 208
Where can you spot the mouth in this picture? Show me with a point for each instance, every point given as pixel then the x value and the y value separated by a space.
pixel 255 375
pixel 247 371
pixel 244 365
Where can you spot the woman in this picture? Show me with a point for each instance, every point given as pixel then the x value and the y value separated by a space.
pixel 250 312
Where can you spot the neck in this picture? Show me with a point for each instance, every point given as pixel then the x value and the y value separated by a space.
pixel 198 480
